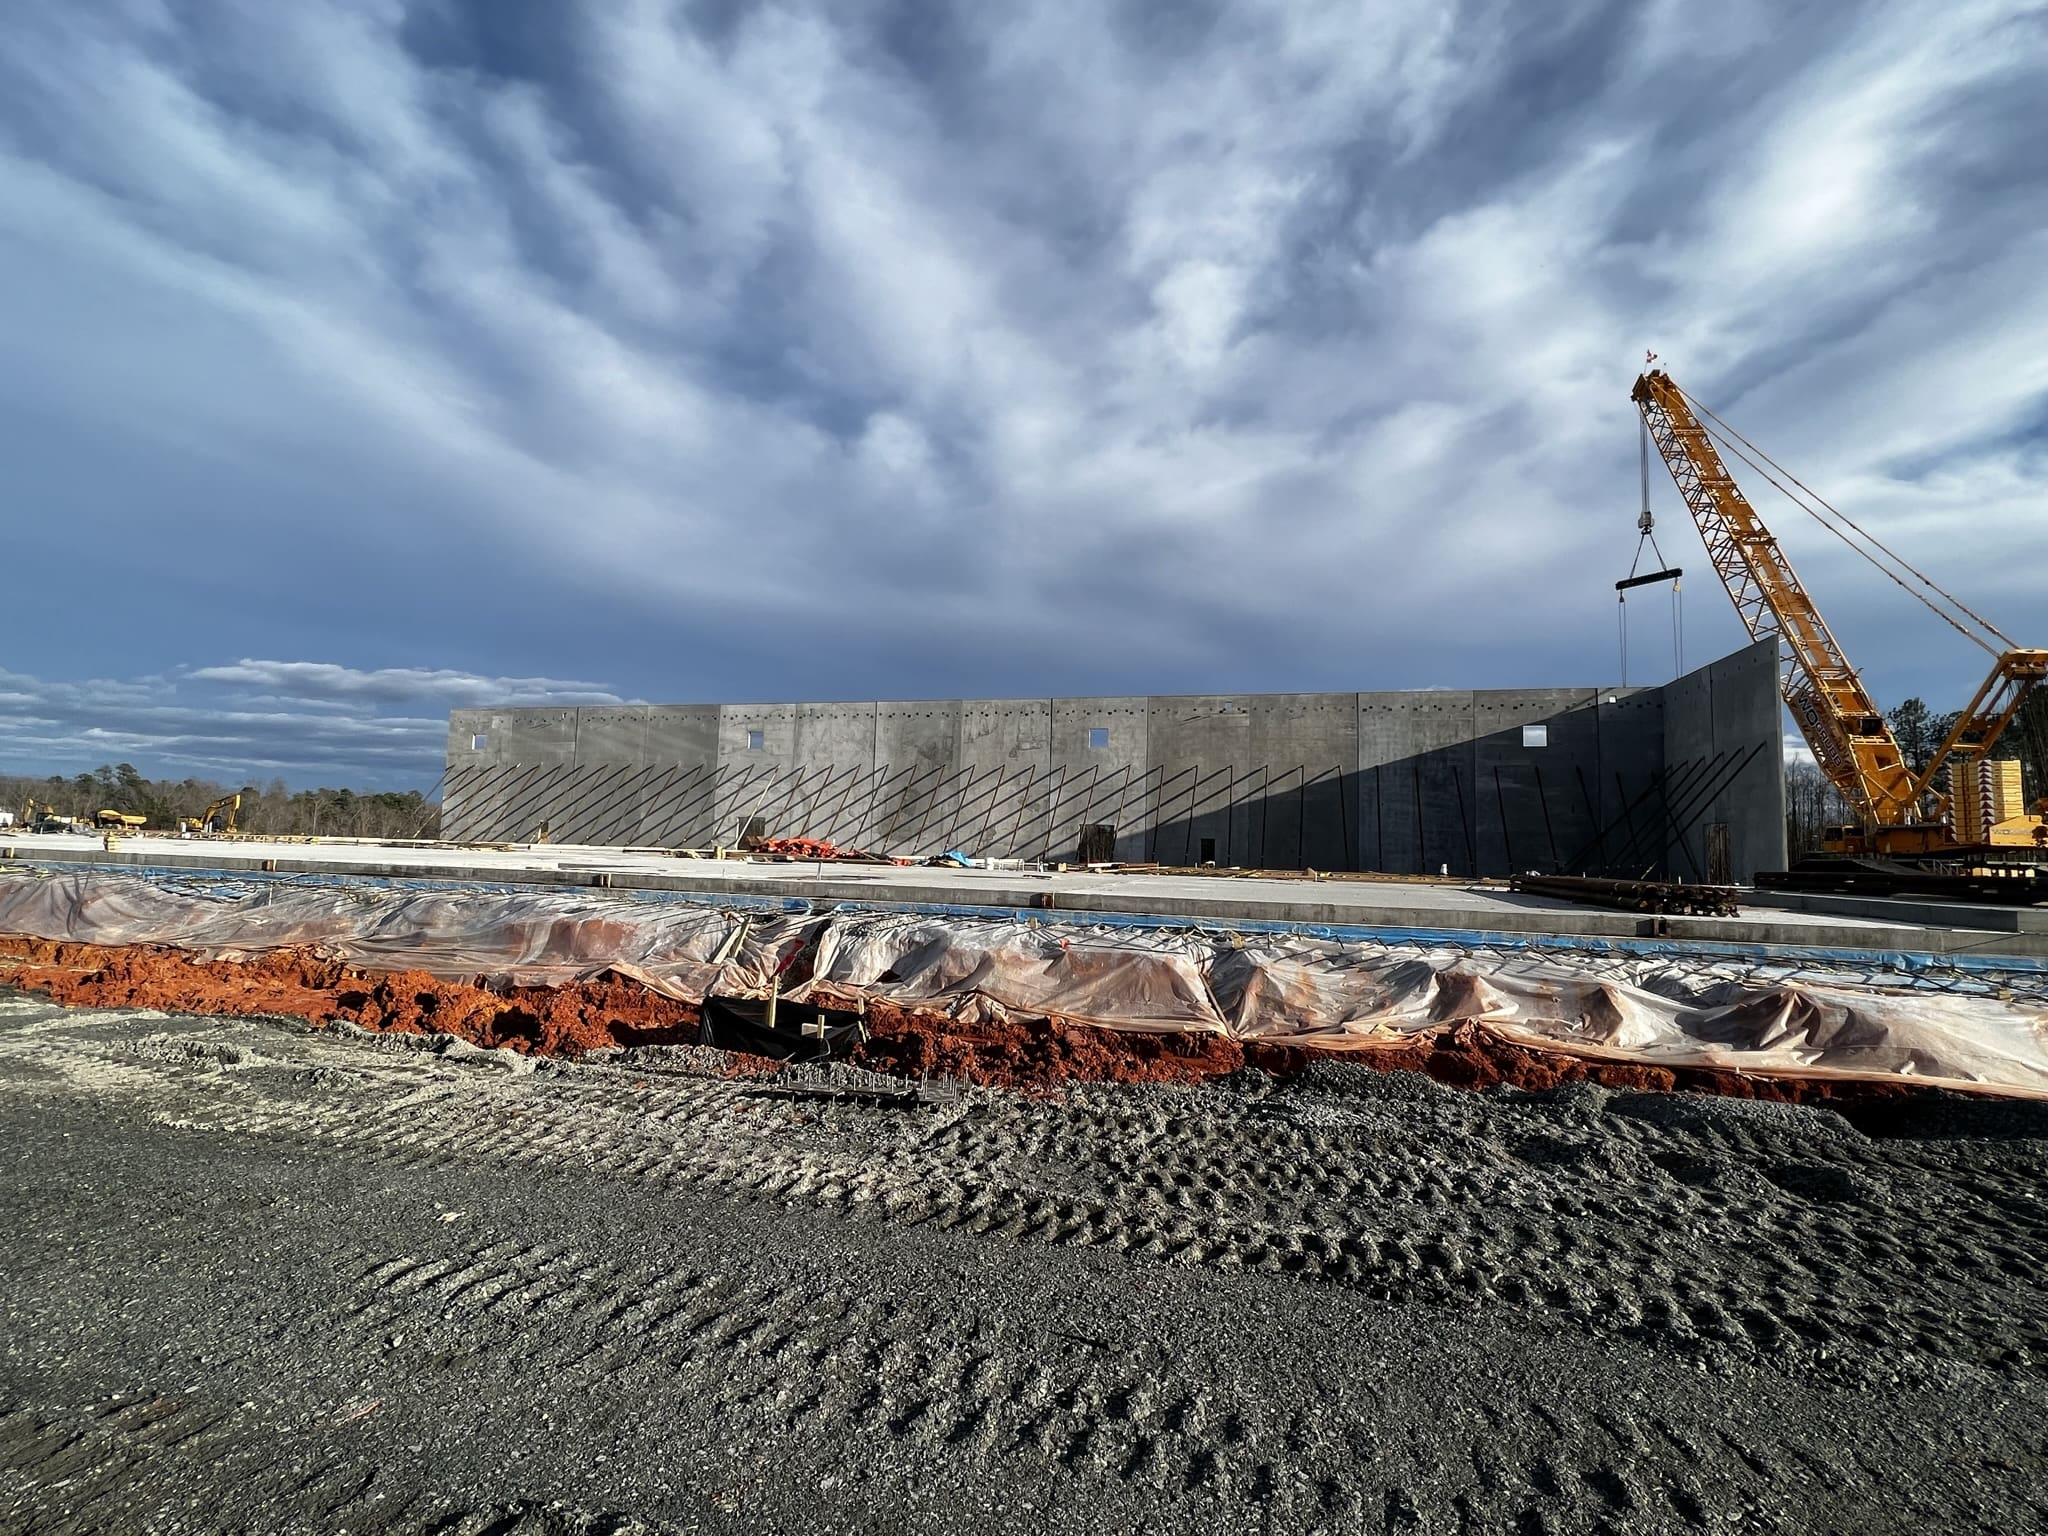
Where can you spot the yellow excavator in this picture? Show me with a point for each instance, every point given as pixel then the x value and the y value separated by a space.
pixel 1962 803
pixel 217 817
pixel 46 818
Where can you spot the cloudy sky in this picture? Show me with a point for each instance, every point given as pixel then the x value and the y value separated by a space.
pixel 367 358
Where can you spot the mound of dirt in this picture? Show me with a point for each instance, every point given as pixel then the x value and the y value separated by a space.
pixel 613 1011
pixel 546 1021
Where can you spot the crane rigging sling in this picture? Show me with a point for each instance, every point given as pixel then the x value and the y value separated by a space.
pixel 1646 525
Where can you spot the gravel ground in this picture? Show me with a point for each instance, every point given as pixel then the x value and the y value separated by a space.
pixel 267 1278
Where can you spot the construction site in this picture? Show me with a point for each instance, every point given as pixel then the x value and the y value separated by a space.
pixel 1368 1111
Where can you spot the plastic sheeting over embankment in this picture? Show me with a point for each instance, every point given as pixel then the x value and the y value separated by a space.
pixel 1983 1031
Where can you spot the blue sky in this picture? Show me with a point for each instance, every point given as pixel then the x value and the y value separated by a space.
pixel 366 359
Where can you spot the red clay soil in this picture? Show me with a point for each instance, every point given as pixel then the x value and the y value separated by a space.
pixel 612 1011
pixel 545 1021
pixel 1030 1053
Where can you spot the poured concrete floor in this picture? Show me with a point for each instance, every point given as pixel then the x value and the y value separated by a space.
pixel 1352 902
pixel 1858 924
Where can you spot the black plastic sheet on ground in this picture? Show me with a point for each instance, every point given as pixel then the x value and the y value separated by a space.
pixel 801 1031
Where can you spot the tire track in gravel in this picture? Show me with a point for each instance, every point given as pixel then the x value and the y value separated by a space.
pixel 93 1459
pixel 1568 1215
pixel 189 1452
pixel 215 1467
pixel 1560 1208
pixel 825 1362
pixel 828 1363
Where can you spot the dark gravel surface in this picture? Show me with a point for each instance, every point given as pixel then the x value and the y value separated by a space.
pixel 262 1278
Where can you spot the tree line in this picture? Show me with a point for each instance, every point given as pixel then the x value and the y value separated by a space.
pixel 271 810
pixel 1812 803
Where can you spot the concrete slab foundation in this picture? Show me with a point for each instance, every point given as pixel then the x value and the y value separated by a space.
pixel 1967 935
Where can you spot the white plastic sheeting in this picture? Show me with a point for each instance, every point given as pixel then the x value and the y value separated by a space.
pixel 1697 1012
pixel 1671 1010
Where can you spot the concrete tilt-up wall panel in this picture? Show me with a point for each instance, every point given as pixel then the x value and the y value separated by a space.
pixel 1101 786
pixel 1199 762
pixel 1313 739
pixel 1629 791
pixel 682 748
pixel 1416 774
pixel 1536 753
pixel 1405 782
pixel 1726 717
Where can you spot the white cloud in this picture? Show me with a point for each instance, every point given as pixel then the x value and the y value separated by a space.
pixel 312 722
pixel 326 680
pixel 1279 352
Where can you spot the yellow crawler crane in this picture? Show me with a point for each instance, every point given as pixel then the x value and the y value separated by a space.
pixel 1851 742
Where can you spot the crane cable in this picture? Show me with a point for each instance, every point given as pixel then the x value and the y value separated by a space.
pixel 1947 618
pixel 1903 564
pixel 1900 560
pixel 1646 524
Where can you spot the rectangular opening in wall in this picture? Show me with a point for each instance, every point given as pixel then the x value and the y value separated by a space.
pixel 1098 843
pixel 1208 850
pixel 756 741
pixel 1098 737
pixel 479 741
pixel 1535 735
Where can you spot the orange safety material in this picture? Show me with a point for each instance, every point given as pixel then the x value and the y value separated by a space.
pixel 813 848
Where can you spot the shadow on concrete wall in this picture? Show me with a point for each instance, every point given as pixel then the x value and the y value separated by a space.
pixel 1433 813
pixel 1299 817
pixel 1680 780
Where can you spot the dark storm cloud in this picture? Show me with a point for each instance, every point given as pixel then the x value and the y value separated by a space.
pixel 887 349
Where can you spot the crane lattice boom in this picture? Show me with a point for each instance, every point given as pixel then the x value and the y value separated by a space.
pixel 1851 742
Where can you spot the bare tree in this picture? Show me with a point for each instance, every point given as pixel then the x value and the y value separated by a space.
pixel 2028 741
pixel 272 811
pixel 1812 804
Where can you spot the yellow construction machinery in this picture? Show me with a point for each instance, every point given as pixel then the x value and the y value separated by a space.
pixel 217 817
pixel 1961 800
pixel 45 818
pixel 119 821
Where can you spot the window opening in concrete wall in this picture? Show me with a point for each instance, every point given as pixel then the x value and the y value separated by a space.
pixel 1098 737
pixel 1208 850
pixel 478 741
pixel 1098 843
pixel 1535 735
pixel 756 741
